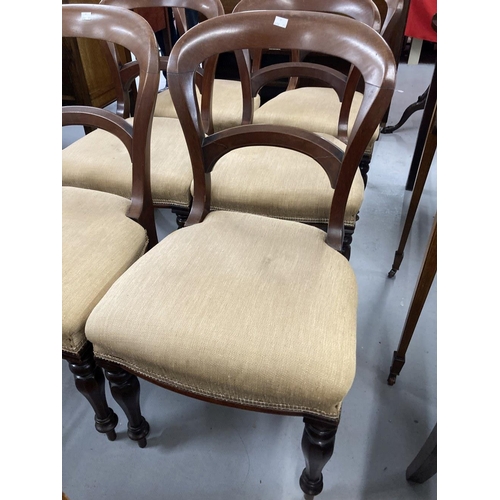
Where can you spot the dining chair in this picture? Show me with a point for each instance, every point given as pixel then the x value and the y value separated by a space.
pixel 282 183
pixel 317 109
pixel 103 234
pixel 267 320
pixel 99 162
pixel 226 98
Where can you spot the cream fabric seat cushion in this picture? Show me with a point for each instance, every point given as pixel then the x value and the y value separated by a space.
pixel 281 183
pixel 227 104
pixel 316 109
pixel 100 161
pixel 241 308
pixel 99 242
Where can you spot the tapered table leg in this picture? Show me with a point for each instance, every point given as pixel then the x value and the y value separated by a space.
pixel 423 171
pixel 427 274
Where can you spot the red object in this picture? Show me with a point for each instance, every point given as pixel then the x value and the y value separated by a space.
pixel 418 24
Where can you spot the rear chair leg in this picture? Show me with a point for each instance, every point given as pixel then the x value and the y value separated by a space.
pixel 317 445
pixel 126 390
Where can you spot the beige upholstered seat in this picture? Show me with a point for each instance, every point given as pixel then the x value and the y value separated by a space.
pixel 260 298
pixel 100 161
pixel 227 104
pixel 315 109
pixel 99 242
pixel 279 183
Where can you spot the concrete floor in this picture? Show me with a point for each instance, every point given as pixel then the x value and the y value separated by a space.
pixel 197 450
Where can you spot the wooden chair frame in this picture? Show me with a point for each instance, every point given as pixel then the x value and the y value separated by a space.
pixel 129 30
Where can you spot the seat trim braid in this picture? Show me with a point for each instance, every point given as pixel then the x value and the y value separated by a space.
pixel 250 404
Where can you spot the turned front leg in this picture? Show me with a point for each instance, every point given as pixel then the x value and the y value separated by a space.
pixel 317 445
pixel 125 389
pixel 89 381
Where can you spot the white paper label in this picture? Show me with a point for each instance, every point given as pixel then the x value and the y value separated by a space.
pixel 86 16
pixel 280 21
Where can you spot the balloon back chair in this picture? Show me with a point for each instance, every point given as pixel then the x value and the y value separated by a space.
pixel 103 234
pixel 282 183
pixel 318 109
pixel 100 162
pixel 227 98
pixel 267 320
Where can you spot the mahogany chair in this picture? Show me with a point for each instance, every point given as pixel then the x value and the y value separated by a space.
pixel 318 109
pixel 103 234
pixel 226 99
pixel 100 162
pixel 282 183
pixel 267 320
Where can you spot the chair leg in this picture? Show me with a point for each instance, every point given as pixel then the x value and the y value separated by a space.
pixel 346 243
pixel 125 389
pixel 181 216
pixel 89 381
pixel 364 166
pixel 317 445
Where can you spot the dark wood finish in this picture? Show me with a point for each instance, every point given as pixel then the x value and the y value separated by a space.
pixel 424 465
pixel 132 32
pixel 124 74
pixel 137 37
pixel 317 445
pixel 425 123
pixel 430 103
pixel 125 389
pixel 425 162
pixel 89 381
pixel 424 283
pixel 418 105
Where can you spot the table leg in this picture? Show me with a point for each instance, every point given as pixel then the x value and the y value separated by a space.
pixel 424 465
pixel 425 279
pixel 430 104
pixel 425 165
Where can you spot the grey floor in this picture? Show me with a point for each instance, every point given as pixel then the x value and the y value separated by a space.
pixel 201 451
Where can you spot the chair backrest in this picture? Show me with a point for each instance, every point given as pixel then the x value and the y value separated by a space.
pixel 125 73
pixel 392 27
pixel 337 36
pixel 129 30
pixel 364 11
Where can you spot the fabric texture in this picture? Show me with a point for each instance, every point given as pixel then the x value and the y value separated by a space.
pixel 279 182
pixel 100 161
pixel 245 309
pixel 316 109
pixel 99 242
pixel 227 104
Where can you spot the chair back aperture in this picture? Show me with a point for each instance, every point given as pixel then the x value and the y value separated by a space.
pixel 336 36
pixel 131 31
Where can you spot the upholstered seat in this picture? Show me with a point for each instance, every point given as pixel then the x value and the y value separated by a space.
pixel 271 297
pixel 227 104
pixel 99 242
pixel 279 183
pixel 312 108
pixel 100 161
